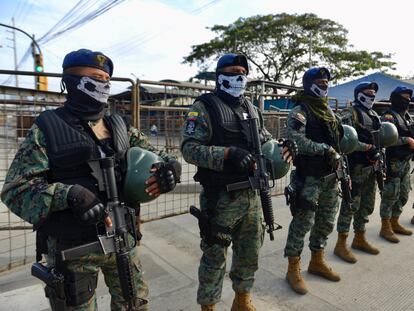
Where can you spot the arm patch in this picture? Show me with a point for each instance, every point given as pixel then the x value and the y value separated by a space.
pixel 388 117
pixel 298 120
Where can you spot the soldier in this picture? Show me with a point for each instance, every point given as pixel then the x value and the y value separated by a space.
pixel 317 132
pixel 366 121
pixel 50 185
pixel 397 185
pixel 215 141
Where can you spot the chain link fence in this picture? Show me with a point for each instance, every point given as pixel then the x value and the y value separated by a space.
pixel 156 108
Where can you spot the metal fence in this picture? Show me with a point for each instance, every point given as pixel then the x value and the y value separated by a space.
pixel 147 103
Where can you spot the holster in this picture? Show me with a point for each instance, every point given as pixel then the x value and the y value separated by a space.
pixel 211 233
pixel 79 287
pixel 293 194
pixel 290 195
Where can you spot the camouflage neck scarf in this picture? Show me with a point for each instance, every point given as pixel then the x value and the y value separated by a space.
pixel 320 109
pixel 318 106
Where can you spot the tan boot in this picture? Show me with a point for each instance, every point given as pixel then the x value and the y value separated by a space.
pixel 361 243
pixel 208 308
pixel 412 220
pixel 242 302
pixel 318 266
pixel 397 228
pixel 386 231
pixel 293 276
pixel 342 251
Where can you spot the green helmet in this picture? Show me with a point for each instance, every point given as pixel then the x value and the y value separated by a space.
pixel 349 141
pixel 139 163
pixel 388 134
pixel 273 152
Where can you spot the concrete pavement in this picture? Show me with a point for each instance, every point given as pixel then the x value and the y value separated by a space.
pixel 170 254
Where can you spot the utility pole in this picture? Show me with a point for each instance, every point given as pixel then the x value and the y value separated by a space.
pixel 15 53
pixel 14 47
pixel 310 49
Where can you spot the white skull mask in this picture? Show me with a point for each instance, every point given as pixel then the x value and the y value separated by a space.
pixel 232 84
pixel 98 90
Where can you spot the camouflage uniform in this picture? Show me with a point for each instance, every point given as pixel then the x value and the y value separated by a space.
pixel 363 183
pixel 239 211
pixel 398 184
pixel 28 194
pixel 321 197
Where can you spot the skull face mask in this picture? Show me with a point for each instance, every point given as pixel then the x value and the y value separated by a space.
pixel 87 96
pixel 98 90
pixel 233 84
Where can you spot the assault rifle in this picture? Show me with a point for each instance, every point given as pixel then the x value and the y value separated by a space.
pixel 380 166
pixel 260 179
pixel 342 175
pixel 114 232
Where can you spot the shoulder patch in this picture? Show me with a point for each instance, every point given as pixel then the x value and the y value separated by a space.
pixel 299 117
pixel 193 114
pixel 388 117
pixel 190 126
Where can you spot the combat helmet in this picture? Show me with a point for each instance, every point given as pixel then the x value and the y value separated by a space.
pixel 349 141
pixel 139 163
pixel 388 134
pixel 273 152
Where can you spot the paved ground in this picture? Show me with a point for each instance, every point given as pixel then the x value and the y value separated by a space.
pixel 170 256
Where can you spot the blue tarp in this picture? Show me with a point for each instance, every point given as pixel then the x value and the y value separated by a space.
pixel 345 92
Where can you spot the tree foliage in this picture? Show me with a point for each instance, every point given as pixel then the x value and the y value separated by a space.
pixel 279 47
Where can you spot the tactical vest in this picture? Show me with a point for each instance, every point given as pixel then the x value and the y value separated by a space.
pixel 227 130
pixel 367 126
pixel 318 131
pixel 69 147
pixel 405 126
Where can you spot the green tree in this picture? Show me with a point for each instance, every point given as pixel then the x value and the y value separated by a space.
pixel 279 47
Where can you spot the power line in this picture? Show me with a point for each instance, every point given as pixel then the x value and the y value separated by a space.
pixel 79 20
pixel 132 42
pixel 82 13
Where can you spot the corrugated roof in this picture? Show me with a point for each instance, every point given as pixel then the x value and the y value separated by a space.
pixel 345 92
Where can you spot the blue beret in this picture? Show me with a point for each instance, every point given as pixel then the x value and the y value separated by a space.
pixel 316 73
pixel 402 89
pixel 232 60
pixel 365 85
pixel 88 58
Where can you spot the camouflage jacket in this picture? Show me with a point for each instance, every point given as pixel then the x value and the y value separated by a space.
pixel 296 131
pixel 388 117
pixel 26 191
pixel 197 133
pixel 349 117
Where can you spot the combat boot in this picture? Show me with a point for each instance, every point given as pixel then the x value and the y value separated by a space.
pixel 208 308
pixel 318 266
pixel 397 228
pixel 242 302
pixel 361 243
pixel 293 276
pixel 342 251
pixel 412 220
pixel 386 231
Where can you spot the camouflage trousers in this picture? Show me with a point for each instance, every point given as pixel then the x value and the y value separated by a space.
pixel 397 188
pixel 239 211
pixel 363 195
pixel 91 264
pixel 317 208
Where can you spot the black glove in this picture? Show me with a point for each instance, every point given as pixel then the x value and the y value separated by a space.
pixel 373 154
pixel 242 159
pixel 291 146
pixel 167 175
pixel 84 204
pixel 332 157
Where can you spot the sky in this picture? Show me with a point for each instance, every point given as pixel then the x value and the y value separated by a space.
pixel 147 39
